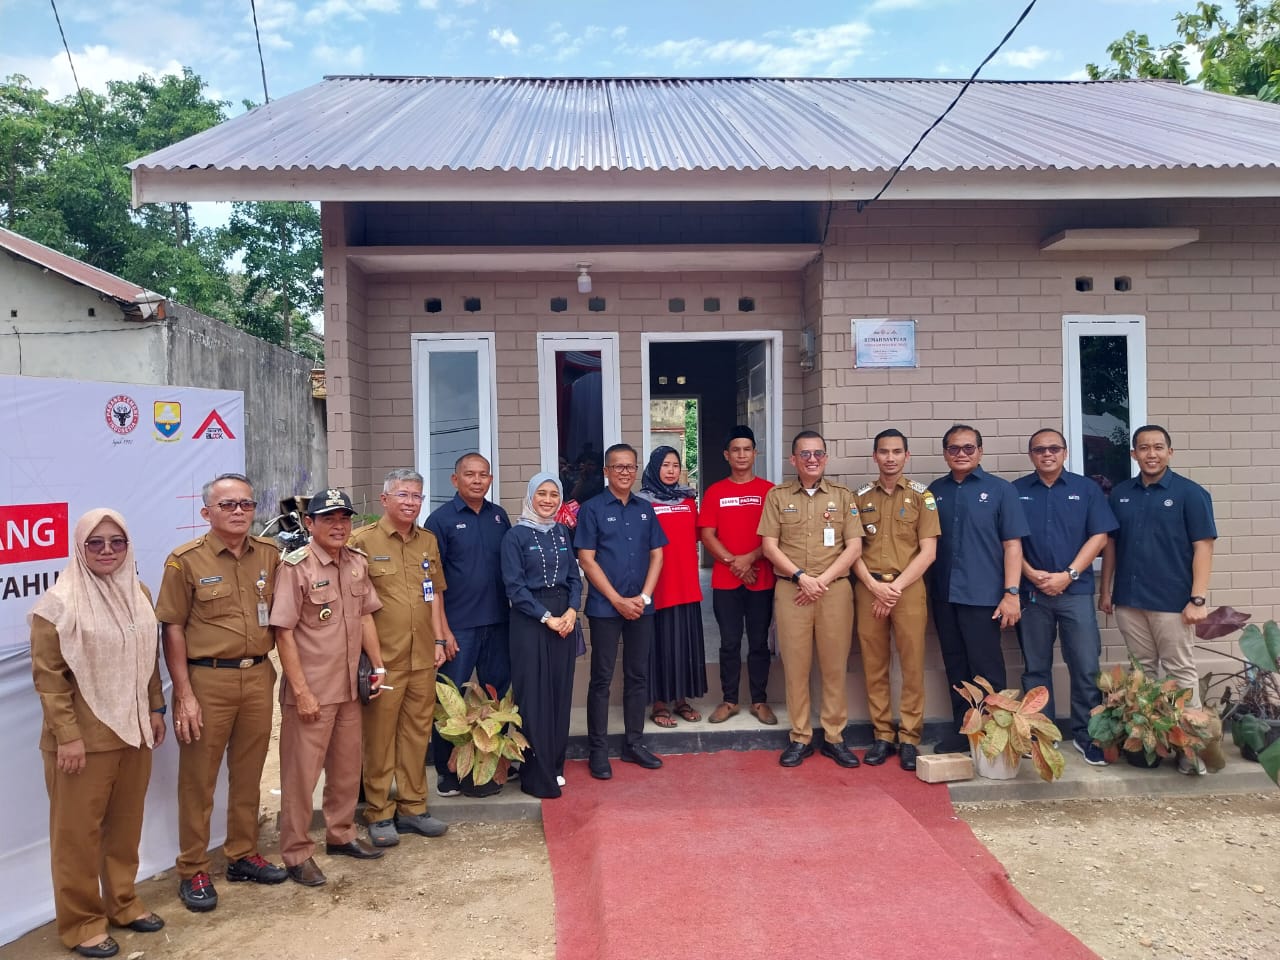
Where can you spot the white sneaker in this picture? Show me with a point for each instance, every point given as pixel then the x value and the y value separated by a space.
pixel 1192 768
pixel 559 781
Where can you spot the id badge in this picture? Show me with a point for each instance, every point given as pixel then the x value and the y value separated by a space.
pixel 264 617
pixel 829 536
pixel 428 591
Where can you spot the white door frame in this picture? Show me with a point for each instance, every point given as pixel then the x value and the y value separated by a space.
pixel 772 456
pixel 482 344
pixel 611 404
pixel 1075 325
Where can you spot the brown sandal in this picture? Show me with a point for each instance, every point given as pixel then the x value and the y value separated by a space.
pixel 686 713
pixel 662 717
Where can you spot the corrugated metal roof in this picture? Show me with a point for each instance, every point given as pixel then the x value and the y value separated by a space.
pixel 129 295
pixel 690 124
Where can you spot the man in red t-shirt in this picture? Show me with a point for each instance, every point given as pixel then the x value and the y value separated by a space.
pixel 742 580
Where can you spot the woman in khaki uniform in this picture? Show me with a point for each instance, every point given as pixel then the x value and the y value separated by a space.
pixel 93 657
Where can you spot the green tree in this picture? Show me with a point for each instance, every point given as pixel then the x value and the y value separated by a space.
pixel 1239 57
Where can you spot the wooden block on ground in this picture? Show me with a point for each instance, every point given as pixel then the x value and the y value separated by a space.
pixel 944 767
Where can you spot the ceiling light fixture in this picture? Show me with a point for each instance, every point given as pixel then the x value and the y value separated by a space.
pixel 584 278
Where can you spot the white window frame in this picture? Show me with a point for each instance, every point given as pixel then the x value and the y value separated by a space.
pixel 484 346
pixel 1075 326
pixel 771 455
pixel 549 344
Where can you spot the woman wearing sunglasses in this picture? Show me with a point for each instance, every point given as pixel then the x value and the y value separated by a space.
pixel 93 658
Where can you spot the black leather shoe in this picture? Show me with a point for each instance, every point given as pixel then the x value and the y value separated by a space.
pixel 840 753
pixel 107 948
pixel 256 868
pixel 952 743
pixel 642 756
pixel 148 923
pixel 878 753
pixel 357 848
pixel 197 893
pixel 307 874
pixel 907 753
pixel 795 753
pixel 600 767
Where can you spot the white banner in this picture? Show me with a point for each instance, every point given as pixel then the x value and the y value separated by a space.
pixel 70 446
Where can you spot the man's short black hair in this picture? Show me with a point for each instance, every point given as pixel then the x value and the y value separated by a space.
pixel 957 427
pixel 621 448
pixel 1054 430
pixel 891 432
pixel 1150 427
pixel 806 435
pixel 740 432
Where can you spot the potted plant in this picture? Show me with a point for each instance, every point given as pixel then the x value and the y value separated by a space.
pixel 1005 726
pixel 483 731
pixel 1247 699
pixel 1147 719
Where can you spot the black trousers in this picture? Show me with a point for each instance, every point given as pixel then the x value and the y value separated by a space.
pixel 637 638
pixel 736 610
pixel 542 664
pixel 970 642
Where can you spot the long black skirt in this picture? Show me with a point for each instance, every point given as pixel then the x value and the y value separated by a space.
pixel 542 677
pixel 678 658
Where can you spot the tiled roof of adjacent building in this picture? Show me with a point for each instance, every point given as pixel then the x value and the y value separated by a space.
pixel 732 124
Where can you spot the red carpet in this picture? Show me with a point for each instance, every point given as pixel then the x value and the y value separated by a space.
pixel 728 855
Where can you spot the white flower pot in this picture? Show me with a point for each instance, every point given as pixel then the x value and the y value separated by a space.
pixel 998 769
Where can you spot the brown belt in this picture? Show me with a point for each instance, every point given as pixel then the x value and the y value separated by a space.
pixel 242 664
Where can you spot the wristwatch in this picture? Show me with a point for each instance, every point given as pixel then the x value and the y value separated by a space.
pixel 795 577
pixel 646 598
pixel 1073 573
pixel 1198 601
pixel 545 617
pixel 1011 591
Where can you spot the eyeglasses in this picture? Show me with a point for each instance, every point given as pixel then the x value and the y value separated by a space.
pixel 622 467
pixel 818 455
pixel 968 449
pixel 1052 448
pixel 405 497
pixel 96 545
pixel 229 506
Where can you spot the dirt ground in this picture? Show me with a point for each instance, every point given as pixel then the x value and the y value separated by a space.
pixel 1136 878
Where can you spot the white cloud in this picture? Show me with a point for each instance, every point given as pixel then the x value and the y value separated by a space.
pixel 95 65
pixel 347 58
pixel 618 33
pixel 806 52
pixel 275 19
pixel 880 5
pixel 505 38
pixel 1027 59
pixel 428 4
pixel 328 10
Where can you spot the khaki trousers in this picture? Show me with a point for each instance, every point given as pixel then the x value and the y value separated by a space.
pixel 95 825
pixel 397 729
pixel 236 706
pixel 826 626
pixel 908 619
pixel 332 744
pixel 1163 644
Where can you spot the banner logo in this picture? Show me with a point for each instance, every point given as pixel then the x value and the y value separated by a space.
pixel 213 428
pixel 122 413
pixel 167 416
pixel 33 531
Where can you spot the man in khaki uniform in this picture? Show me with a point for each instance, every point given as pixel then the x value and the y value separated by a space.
pixel 405 569
pixel 214 603
pixel 901 530
pixel 323 615
pixel 812 536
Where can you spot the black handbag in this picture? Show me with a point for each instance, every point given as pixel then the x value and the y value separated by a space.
pixel 364 678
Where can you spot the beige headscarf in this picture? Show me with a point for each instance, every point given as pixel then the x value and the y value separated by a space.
pixel 107 634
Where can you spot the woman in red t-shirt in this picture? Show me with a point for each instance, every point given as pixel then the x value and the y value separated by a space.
pixel 677 659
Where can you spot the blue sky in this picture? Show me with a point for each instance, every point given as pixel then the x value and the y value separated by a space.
pixel 303 40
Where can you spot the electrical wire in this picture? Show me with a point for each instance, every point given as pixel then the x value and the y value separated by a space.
pixel 84 106
pixel 253 5
pixel 863 204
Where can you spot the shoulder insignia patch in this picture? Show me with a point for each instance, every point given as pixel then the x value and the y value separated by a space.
pixel 918 487
pixel 357 550
pixel 295 557
pixel 188 547
pixel 367 526
pixel 865 488
pixel 266 542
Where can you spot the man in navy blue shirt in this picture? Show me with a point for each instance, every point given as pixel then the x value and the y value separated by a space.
pixel 469 530
pixel 1155 571
pixel 974 581
pixel 1069 520
pixel 619 545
